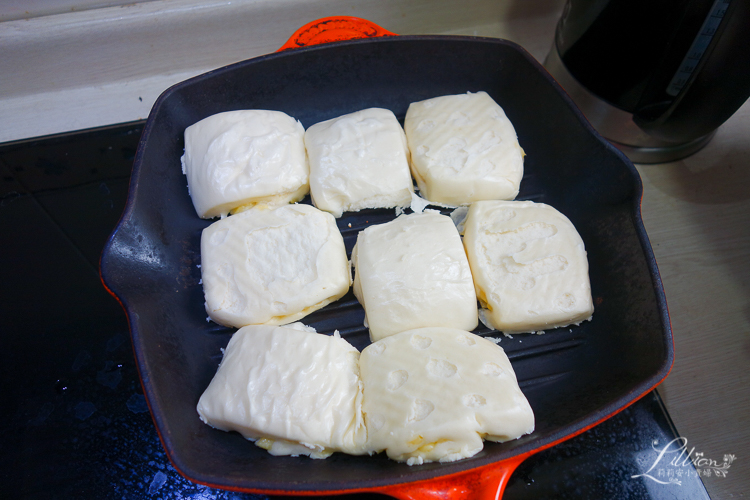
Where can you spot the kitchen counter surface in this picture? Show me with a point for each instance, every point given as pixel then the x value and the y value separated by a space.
pixel 696 211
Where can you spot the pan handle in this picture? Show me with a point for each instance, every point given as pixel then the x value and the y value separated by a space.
pixel 334 29
pixel 483 483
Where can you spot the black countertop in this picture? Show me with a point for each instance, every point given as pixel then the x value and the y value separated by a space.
pixel 74 420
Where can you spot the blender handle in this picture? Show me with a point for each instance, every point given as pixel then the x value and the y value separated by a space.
pixel 719 85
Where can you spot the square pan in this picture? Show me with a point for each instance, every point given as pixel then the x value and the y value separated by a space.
pixel 573 377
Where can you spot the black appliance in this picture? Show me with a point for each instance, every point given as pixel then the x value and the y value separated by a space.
pixel 655 78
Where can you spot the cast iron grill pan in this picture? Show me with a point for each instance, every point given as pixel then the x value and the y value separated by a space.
pixel 573 377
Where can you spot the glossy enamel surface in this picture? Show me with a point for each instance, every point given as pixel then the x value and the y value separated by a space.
pixel 573 377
